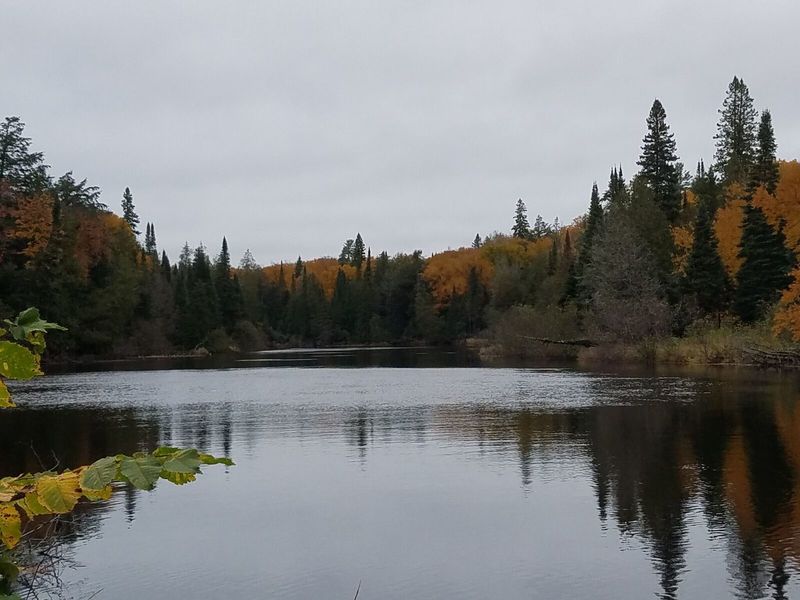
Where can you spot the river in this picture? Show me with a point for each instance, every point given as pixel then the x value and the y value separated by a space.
pixel 419 473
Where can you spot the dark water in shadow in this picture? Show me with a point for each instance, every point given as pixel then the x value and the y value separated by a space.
pixel 429 481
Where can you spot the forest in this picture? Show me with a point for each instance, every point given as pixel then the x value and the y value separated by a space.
pixel 670 254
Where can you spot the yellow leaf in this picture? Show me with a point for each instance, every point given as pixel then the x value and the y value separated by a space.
pixel 5 396
pixel 10 525
pixel 59 493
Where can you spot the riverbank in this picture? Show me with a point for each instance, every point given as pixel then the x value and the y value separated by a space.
pixel 709 345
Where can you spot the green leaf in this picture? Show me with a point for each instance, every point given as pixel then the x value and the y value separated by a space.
pixel 8 575
pixel 17 362
pixel 185 461
pixel 29 321
pixel 142 472
pixel 165 451
pixel 99 474
pixel 207 459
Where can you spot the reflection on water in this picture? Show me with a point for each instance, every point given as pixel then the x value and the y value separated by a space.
pixel 433 482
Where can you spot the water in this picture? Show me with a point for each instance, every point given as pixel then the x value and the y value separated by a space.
pixel 427 481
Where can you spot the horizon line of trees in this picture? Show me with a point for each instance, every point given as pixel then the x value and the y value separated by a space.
pixel 651 257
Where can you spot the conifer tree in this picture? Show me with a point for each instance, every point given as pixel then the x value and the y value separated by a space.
pixel 594 221
pixel 766 264
pixel 706 278
pixel 617 191
pixel 150 240
pixel 521 228
pixel 346 255
pixel 540 228
pixel 736 134
pixel 552 257
pixel 658 162
pixel 129 211
pixel 358 252
pixel 477 242
pixel 166 269
pixel 765 166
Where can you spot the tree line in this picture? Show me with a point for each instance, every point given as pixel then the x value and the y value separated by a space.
pixel 653 256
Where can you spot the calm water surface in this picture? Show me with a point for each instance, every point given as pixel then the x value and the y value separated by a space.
pixel 428 481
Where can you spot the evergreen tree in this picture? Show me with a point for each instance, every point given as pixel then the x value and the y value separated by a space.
pixel 766 264
pixel 617 191
pixel 736 134
pixel 540 228
pixel 166 269
pixel 577 269
pixel 228 292
pixel 357 259
pixel 346 255
pixel 706 188
pixel 129 211
pixel 22 169
pixel 521 228
pixel 765 166
pixel 658 162
pixel 706 278
pixel 552 257
pixel 150 246
pixel 477 242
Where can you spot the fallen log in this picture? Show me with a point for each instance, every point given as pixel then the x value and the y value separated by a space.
pixel 579 342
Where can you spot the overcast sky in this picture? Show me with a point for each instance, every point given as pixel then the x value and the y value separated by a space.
pixel 289 126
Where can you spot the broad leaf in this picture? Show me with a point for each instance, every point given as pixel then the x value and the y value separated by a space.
pixel 17 362
pixel 5 397
pixel 141 472
pixel 185 461
pixel 32 506
pixel 29 321
pixel 10 525
pixel 59 493
pixel 207 459
pixel 178 478
pixel 99 474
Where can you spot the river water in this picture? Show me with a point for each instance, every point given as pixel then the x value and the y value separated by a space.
pixel 418 473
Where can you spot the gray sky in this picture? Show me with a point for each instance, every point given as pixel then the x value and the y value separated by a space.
pixel 289 126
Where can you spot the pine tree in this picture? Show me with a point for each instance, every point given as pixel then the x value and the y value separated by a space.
pixel 22 169
pixel 346 255
pixel 658 161
pixel 706 188
pixel 166 269
pixel 706 278
pixel 129 211
pixel 150 240
pixel 357 259
pixel 477 242
pixel 736 134
pixel 521 228
pixel 766 264
pixel 765 166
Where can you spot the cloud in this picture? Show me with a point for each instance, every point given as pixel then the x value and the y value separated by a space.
pixel 289 126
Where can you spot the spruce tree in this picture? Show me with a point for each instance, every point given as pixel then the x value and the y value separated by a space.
pixel 150 240
pixel 540 228
pixel 476 243
pixel 658 162
pixel 521 228
pixel 766 264
pixel 346 255
pixel 765 166
pixel 357 259
pixel 129 211
pixel 706 278
pixel 617 191
pixel 577 269
pixel 736 134
pixel 227 288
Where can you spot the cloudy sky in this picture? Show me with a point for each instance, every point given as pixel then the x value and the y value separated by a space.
pixel 289 126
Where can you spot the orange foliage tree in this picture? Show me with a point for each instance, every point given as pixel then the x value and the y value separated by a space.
pixel 728 227
pixel 447 273
pixel 784 205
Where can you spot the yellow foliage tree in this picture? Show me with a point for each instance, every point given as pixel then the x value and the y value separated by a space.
pixel 33 223
pixel 787 317
pixel 728 227
pixel 784 205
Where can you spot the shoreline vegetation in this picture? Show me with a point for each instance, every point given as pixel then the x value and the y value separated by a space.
pixel 671 266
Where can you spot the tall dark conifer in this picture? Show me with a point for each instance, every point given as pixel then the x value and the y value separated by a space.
pixel 706 278
pixel 658 162
pixel 766 264
pixel 521 228
pixel 357 258
pixel 736 134
pixel 765 166
pixel 129 211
